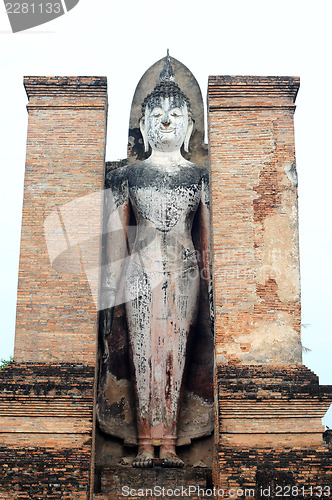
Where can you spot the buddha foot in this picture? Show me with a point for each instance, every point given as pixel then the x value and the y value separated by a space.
pixel 172 460
pixel 144 459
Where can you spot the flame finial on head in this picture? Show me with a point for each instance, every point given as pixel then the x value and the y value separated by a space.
pixel 167 72
pixel 166 88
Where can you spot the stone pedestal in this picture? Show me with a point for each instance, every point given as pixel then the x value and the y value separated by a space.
pixel 112 483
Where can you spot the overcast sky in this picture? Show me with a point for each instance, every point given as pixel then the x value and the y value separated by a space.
pixel 121 40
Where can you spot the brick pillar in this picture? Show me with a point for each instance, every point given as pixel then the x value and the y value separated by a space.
pixel 60 243
pixel 255 225
pixel 268 422
pixel 47 394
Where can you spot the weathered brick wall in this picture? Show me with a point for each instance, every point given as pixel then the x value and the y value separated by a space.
pixel 270 406
pixel 255 227
pixel 56 310
pixel 269 431
pixel 273 473
pixel 47 394
pixel 269 411
pixel 46 429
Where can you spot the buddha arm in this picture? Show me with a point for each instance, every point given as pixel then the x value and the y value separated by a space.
pixel 205 239
pixel 114 253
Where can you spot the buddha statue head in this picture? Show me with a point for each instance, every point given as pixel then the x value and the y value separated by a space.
pixel 166 122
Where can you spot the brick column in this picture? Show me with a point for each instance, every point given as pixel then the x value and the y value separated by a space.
pixel 255 225
pixel 60 243
pixel 268 432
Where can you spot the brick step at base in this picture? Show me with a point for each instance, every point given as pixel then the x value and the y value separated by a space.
pixel 109 481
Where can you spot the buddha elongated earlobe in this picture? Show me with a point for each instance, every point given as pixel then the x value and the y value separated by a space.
pixel 188 135
pixel 144 134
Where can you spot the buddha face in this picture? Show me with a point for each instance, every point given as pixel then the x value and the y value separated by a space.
pixel 166 124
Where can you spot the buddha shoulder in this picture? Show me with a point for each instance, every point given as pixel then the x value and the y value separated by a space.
pixel 117 184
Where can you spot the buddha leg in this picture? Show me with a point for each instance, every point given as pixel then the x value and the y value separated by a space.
pixel 159 314
pixel 182 311
pixel 138 306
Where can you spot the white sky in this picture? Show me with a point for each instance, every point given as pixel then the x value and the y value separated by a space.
pixel 121 40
